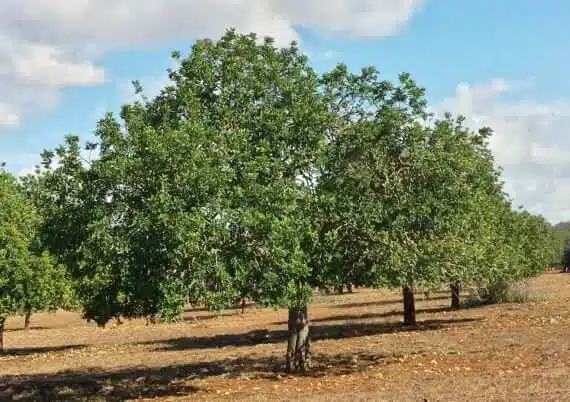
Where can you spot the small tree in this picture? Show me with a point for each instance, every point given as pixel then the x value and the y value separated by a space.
pixel 566 258
pixel 29 278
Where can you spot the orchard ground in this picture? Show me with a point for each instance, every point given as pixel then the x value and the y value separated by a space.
pixel 360 352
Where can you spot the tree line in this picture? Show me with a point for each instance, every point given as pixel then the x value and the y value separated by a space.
pixel 251 176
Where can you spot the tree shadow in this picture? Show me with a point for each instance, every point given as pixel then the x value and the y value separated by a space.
pixel 213 316
pixel 194 309
pixel 393 313
pixel 171 381
pixel 83 385
pixel 144 382
pixel 383 302
pixel 32 328
pixel 38 350
pixel 318 332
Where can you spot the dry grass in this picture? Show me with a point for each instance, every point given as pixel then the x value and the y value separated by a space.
pixel 501 352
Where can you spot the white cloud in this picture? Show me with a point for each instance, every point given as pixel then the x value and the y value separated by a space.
pixel 31 75
pixel 8 116
pixel 530 142
pixel 48 66
pixel 132 22
pixel 47 45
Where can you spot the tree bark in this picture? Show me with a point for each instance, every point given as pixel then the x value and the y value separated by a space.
pixel 455 290
pixel 298 346
pixel 243 304
pixel 2 322
pixel 409 306
pixel 27 319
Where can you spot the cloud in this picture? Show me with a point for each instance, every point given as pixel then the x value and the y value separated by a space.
pixel 48 45
pixel 530 142
pixel 8 116
pixel 31 75
pixel 131 22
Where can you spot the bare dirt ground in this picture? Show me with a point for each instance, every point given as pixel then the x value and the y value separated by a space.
pixel 510 352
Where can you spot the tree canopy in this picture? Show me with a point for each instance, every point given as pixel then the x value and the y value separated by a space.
pixel 252 176
pixel 30 279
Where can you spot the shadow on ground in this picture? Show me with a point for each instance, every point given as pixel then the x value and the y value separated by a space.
pixel 365 316
pixel 194 309
pixel 32 351
pixel 393 313
pixel 168 381
pixel 318 332
pixel 99 385
pixel 131 383
pixel 22 329
pixel 383 302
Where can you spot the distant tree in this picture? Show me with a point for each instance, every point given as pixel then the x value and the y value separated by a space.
pixel 561 233
pixel 59 194
pixel 30 280
pixel 403 194
pixel 566 259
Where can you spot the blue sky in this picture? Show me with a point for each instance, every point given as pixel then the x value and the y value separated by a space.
pixel 511 58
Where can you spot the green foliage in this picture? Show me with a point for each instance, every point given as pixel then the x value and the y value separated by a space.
pixel 30 279
pixel 522 246
pixel 406 198
pixel 254 97
pixel 503 291
pixel 250 176
pixel 196 194
pixel 561 244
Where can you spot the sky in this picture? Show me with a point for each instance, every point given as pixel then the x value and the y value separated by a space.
pixel 500 63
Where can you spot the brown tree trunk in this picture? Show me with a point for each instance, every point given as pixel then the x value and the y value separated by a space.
pixel 27 319
pixel 298 346
pixel 409 306
pixel 243 304
pixel 455 290
pixel 2 322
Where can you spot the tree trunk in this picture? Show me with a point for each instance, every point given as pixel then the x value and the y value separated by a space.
pixel 409 306
pixel 27 318
pixel 2 322
pixel 243 304
pixel 298 346
pixel 455 290
pixel 349 287
pixel 339 290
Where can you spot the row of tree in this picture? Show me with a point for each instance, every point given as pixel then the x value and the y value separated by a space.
pixel 252 176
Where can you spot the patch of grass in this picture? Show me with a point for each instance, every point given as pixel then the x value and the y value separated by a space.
pixel 506 292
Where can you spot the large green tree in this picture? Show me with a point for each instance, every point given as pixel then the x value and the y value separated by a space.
pixel 249 176
pixel 202 194
pixel 264 104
